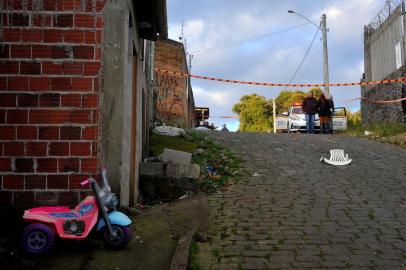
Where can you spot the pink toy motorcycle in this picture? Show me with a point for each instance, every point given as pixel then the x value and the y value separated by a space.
pixel 98 211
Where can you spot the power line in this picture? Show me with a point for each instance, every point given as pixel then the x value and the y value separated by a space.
pixel 304 57
pixel 236 43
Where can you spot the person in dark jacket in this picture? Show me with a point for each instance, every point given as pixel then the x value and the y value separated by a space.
pixel 324 109
pixel 330 118
pixel 309 107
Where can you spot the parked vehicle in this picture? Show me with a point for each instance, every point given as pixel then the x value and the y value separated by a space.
pixel 94 213
pixel 294 120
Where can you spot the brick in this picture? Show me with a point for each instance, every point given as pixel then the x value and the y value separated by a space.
pixel 82 84
pixel 3 83
pixel 59 117
pixel 100 5
pixel 69 5
pixel 83 52
pixel 36 149
pixel 84 21
pixel 99 22
pixel 53 5
pixel 46 198
pixel 91 68
pixel 5 198
pixel 90 101
pixel 39 84
pixel 4 51
pixel 52 36
pixel 71 100
pixel 5 165
pixel 30 68
pixel 58 182
pixel 9 67
pixel 49 100
pixel 35 182
pixel 47 165
pixel 2 116
pixel 13 182
pixel 71 133
pixel 19 19
pixel 89 133
pixel 7 133
pixel 73 68
pixel 24 198
pixel 7 100
pixel 68 165
pixel 14 149
pixel 61 83
pixel 17 116
pixel 41 20
pixel 11 35
pixel 89 165
pixel 26 133
pixel 63 20
pixel 20 51
pixel 80 149
pixel 94 149
pixel 75 180
pixel 17 83
pixel 54 68
pixel 97 54
pixel 59 149
pixel 48 133
pixel 80 117
pixel 24 165
pixel 74 36
pixel 90 37
pixel 68 198
pixel 27 100
pixel 60 52
pixel 31 35
pixel 41 51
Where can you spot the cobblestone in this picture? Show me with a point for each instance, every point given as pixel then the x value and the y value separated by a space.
pixel 292 212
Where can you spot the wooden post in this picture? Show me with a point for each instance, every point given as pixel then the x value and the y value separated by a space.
pixel 274 115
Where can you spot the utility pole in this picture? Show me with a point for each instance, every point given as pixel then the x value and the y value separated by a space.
pixel 325 55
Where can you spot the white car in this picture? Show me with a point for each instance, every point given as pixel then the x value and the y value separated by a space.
pixel 295 121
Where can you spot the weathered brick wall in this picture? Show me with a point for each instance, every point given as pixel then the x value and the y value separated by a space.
pixel 50 58
pixel 172 101
pixel 391 112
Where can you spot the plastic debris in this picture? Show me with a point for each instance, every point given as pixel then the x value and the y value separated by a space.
pixel 212 172
pixel 169 131
pixel 337 158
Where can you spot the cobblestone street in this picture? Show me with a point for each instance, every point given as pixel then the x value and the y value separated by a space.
pixel 292 212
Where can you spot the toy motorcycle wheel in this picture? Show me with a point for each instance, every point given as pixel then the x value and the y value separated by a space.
pixel 124 236
pixel 38 238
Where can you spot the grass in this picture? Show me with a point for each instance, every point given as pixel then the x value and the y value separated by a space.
pixel 193 262
pixel 393 133
pixel 160 142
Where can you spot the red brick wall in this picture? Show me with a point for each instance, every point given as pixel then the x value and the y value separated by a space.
pixel 50 58
pixel 172 95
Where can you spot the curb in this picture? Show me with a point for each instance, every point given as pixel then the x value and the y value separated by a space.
pixel 181 256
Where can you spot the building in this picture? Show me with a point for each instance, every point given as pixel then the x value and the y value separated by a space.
pixel 385 58
pixel 175 103
pixel 76 93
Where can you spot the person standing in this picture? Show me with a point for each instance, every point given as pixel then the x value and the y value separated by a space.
pixel 330 118
pixel 224 128
pixel 324 110
pixel 309 107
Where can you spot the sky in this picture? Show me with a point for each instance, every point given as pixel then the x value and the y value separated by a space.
pixel 258 40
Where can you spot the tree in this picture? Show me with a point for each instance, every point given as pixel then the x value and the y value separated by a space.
pixel 285 98
pixel 255 113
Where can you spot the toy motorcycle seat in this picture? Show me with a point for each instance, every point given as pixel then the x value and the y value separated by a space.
pixel 63 211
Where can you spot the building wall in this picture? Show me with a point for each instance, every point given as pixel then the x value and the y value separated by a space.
pixel 50 81
pixel 380 63
pixel 175 95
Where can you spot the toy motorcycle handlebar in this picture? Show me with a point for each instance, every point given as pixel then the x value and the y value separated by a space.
pixel 87 182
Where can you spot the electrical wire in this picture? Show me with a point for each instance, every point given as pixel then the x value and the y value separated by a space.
pixel 236 43
pixel 311 56
pixel 304 58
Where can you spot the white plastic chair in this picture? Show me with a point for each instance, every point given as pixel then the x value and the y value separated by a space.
pixel 337 158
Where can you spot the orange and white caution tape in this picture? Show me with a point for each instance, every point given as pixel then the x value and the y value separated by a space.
pixel 373 101
pixel 182 74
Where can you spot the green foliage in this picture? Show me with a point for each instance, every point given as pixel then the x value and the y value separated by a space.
pixel 159 142
pixel 255 113
pixel 353 119
pixel 193 261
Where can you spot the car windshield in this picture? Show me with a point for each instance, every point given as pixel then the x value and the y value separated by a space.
pixel 297 110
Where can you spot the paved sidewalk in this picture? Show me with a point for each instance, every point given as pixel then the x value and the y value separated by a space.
pixel 295 213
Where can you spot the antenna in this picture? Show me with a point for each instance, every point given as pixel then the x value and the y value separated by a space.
pixel 181 32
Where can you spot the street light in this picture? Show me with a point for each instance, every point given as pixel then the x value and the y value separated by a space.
pixel 323 26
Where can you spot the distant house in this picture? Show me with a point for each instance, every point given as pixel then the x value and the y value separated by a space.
pixel 174 96
pixel 76 93
pixel 385 58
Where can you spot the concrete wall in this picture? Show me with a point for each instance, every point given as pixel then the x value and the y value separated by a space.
pixel 380 63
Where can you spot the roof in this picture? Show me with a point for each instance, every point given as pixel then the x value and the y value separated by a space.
pixel 151 19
